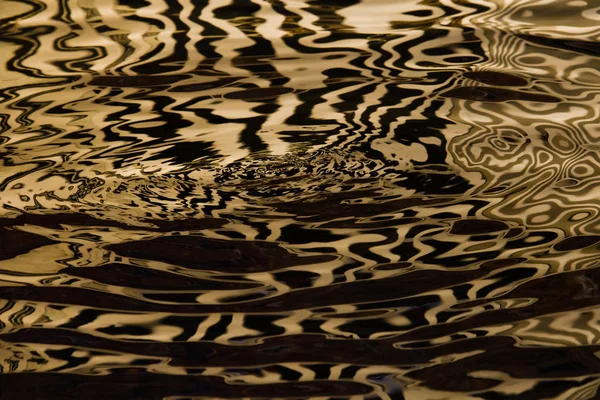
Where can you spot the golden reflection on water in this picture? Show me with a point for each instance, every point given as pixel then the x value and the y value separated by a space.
pixel 299 199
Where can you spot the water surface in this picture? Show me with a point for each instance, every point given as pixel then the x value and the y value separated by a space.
pixel 299 199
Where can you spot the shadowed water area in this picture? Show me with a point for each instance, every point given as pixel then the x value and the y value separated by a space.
pixel 299 199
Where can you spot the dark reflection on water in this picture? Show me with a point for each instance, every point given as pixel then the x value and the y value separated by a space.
pixel 299 199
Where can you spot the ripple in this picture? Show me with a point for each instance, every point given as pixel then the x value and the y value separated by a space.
pixel 289 200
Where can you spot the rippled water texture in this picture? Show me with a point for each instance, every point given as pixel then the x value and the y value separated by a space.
pixel 308 199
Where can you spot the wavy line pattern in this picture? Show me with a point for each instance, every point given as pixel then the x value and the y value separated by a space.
pixel 351 199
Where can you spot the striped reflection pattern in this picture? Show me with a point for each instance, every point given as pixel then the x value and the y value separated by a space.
pixel 271 199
